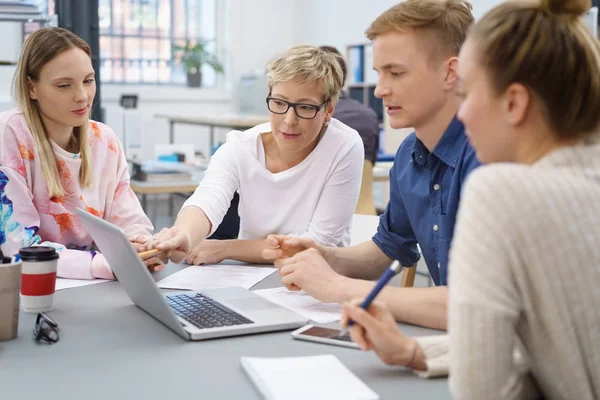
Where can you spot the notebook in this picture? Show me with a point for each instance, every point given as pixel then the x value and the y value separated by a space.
pixel 313 377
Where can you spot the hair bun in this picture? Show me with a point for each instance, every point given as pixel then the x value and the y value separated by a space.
pixel 566 7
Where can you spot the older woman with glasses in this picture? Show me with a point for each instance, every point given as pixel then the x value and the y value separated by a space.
pixel 299 174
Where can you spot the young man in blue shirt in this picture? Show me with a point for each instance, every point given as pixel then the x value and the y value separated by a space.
pixel 415 49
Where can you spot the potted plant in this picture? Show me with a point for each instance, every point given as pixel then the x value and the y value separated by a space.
pixel 193 55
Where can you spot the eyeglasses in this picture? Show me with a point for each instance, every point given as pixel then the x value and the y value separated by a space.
pixel 302 110
pixel 45 329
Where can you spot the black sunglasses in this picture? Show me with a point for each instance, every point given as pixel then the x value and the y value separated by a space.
pixel 45 329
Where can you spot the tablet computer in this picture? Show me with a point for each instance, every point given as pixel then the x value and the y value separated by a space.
pixel 324 335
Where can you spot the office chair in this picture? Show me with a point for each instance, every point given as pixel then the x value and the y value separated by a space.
pixel 366 205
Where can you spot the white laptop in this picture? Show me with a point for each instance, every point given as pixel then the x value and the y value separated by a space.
pixel 194 316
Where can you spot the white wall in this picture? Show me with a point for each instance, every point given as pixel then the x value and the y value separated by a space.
pixel 480 7
pixel 342 22
pixel 338 22
pixel 10 33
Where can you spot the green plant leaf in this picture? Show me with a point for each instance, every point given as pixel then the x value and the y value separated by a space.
pixel 194 54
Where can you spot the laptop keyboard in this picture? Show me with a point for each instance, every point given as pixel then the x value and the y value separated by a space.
pixel 204 312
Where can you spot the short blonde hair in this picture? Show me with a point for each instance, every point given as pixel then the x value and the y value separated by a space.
pixel 306 64
pixel 41 47
pixel 446 22
pixel 545 46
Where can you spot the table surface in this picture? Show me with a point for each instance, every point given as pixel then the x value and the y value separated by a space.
pixel 233 121
pixel 154 187
pixel 381 171
pixel 111 349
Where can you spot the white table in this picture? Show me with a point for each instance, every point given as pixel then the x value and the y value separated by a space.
pixel 241 122
pixel 111 349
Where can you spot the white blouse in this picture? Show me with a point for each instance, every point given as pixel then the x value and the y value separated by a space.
pixel 315 198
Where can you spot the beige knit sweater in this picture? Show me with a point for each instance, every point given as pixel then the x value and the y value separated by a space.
pixel 524 306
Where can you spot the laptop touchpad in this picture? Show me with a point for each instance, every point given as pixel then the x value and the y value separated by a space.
pixel 252 304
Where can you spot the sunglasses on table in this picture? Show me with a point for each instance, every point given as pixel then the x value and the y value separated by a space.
pixel 45 329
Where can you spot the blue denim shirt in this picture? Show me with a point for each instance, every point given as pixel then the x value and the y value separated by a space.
pixel 424 195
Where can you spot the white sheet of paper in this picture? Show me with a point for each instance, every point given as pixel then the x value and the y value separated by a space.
pixel 62 283
pixel 215 276
pixel 304 304
pixel 313 377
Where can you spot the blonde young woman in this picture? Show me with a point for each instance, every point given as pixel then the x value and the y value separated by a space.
pixel 299 174
pixel 523 313
pixel 54 159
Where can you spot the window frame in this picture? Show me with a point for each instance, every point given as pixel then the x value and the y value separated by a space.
pixel 172 38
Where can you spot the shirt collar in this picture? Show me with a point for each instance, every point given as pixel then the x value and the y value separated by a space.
pixel 447 149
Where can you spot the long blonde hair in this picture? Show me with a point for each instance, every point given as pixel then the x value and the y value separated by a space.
pixel 545 46
pixel 40 48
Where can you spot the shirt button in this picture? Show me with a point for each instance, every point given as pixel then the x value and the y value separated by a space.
pixel 435 227
pixel 439 266
pixel 436 187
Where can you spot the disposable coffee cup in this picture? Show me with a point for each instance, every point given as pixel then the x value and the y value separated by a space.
pixel 10 282
pixel 38 278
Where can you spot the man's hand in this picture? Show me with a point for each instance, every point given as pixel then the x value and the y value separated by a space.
pixel 281 247
pixel 310 272
pixel 375 329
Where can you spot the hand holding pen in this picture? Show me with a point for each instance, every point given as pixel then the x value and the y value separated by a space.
pixel 376 329
pixel 150 257
pixel 387 275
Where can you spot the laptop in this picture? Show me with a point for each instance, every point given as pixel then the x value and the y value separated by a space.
pixel 202 315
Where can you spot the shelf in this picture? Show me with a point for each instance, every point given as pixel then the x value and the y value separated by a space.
pixel 9 17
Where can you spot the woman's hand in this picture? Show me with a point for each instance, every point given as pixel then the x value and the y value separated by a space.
pixel 173 244
pixel 207 252
pixel 153 263
pixel 375 329
pixel 281 247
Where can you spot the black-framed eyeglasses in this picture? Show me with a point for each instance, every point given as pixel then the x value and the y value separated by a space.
pixel 302 110
pixel 45 329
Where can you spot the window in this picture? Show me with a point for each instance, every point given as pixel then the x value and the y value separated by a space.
pixel 46 8
pixel 137 39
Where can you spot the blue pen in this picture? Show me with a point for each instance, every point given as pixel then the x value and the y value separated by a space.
pixel 388 274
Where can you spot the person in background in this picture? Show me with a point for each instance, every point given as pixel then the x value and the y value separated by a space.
pixel 524 262
pixel 298 174
pixel 54 159
pixel 364 119
pixel 415 52
pixel 357 115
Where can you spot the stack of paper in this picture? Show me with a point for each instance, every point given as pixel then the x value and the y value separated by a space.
pixel 315 377
pixel 304 304
pixel 215 276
